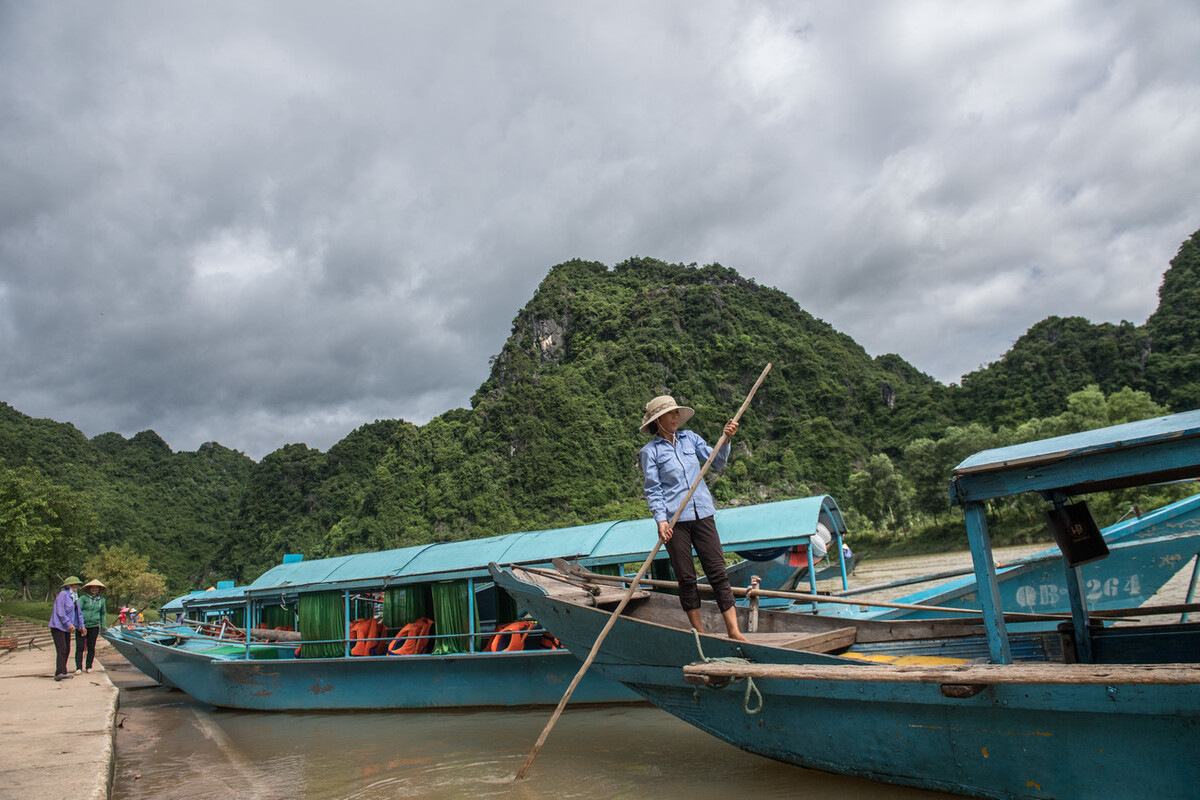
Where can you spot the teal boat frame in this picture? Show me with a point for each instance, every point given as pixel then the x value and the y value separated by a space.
pixel 262 675
pixel 987 710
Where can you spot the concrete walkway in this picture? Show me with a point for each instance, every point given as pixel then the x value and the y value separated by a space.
pixel 56 738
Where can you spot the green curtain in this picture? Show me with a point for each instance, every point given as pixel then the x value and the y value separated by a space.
pixel 405 604
pixel 607 569
pixel 451 618
pixel 277 616
pixel 362 609
pixel 506 607
pixel 322 616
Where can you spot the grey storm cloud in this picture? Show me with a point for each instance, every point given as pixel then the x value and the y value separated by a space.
pixel 273 222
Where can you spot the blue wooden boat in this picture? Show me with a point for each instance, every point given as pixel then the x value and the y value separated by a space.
pixel 973 707
pixel 211 618
pixel 274 670
pixel 1144 553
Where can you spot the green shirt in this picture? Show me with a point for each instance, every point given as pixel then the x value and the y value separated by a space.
pixel 93 608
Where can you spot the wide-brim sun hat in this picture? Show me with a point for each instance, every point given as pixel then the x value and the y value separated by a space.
pixel 72 581
pixel 661 405
pixel 94 582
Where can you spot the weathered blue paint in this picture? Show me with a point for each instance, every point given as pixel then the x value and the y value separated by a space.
pixel 1144 553
pixel 1134 454
pixel 1043 734
pixel 1056 740
pixel 1137 453
pixel 213 674
pixel 242 676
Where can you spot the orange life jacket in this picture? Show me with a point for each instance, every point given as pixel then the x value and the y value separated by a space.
pixel 364 630
pixel 413 639
pixel 510 637
pixel 550 642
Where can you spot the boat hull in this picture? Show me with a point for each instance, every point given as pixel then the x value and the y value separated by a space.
pixel 1054 741
pixel 1143 555
pixel 1005 741
pixel 272 680
pixel 1133 572
pixel 129 650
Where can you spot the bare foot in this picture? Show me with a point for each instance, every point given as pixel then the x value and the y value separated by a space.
pixel 737 636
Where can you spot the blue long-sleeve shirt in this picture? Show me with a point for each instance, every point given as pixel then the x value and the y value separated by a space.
pixel 66 611
pixel 671 470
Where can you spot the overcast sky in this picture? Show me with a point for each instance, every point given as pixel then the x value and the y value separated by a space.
pixel 272 222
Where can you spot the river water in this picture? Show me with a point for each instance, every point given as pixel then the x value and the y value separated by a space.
pixel 170 747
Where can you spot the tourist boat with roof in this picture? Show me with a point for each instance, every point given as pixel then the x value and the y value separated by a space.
pixel 349 648
pixel 974 706
pixel 1144 553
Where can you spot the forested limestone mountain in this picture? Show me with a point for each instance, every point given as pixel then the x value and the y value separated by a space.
pixel 1058 356
pixel 551 437
pixel 1173 364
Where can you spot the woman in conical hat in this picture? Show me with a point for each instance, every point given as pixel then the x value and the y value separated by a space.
pixel 671 463
pixel 65 619
pixel 95 615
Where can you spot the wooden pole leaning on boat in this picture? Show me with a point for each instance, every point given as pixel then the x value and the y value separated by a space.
pixel 752 593
pixel 633 587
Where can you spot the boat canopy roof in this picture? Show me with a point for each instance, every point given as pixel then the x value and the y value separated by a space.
pixel 764 525
pixel 1134 454
pixel 225 597
pixel 173 606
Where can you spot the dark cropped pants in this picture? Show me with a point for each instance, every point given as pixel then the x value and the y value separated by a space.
pixel 86 641
pixel 62 650
pixel 700 535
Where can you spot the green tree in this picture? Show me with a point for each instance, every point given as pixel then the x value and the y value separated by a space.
pixel 42 527
pixel 878 492
pixel 119 568
pixel 147 589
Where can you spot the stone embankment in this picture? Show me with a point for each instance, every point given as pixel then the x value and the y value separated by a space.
pixel 56 737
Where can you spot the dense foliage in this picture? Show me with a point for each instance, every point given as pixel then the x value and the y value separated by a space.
pixel 551 437
pixel 176 509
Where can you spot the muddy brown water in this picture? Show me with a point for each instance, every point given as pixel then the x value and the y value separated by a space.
pixel 170 747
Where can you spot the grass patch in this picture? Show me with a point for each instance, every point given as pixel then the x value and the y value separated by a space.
pixel 35 611
pixel 38 612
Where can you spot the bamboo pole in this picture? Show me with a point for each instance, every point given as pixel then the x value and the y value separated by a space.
pixel 1014 616
pixel 580 573
pixel 633 586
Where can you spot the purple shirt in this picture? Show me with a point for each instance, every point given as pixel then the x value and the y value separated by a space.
pixel 66 611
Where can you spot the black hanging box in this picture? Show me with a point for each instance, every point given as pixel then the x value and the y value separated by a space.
pixel 1077 534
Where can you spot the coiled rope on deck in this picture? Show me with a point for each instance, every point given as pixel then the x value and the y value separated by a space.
pixel 750 687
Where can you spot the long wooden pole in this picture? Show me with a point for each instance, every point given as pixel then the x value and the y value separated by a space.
pixel 633 587
pixel 1014 616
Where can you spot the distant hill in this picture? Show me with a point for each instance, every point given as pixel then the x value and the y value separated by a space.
pixel 1059 355
pixel 177 508
pixel 551 437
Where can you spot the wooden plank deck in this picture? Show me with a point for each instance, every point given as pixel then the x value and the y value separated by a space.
pixel 825 642
pixel 1086 674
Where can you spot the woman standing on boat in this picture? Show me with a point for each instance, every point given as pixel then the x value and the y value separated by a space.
pixel 671 463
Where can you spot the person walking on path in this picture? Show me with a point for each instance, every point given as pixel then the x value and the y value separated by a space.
pixel 95 614
pixel 671 464
pixel 65 619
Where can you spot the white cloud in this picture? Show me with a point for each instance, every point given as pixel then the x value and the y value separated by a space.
pixel 275 222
